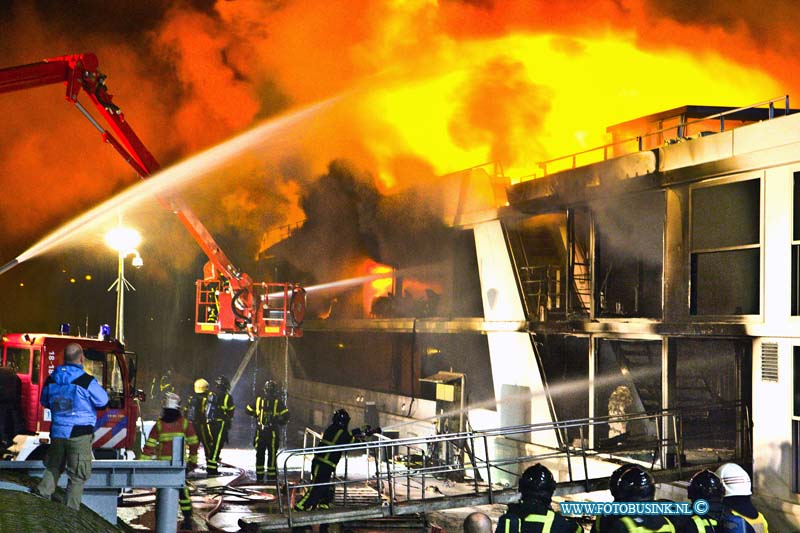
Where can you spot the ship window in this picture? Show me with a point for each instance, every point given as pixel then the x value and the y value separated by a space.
pixel 796 247
pixel 629 250
pixel 704 386
pixel 796 422
pixel 726 249
pixel 565 364
pixel 539 251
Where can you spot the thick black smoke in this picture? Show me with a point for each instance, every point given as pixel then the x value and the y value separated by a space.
pixel 348 220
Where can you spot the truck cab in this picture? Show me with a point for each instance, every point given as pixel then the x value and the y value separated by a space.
pixel 36 355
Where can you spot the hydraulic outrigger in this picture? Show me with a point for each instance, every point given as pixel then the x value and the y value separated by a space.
pixel 228 301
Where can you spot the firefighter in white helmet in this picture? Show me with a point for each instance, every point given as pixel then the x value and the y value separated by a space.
pixel 195 412
pixel 159 445
pixel 739 515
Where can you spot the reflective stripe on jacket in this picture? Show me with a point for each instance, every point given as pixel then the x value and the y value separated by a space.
pixel 159 442
pixel 268 413
pixel 759 523
pixel 702 524
pixel 633 527
pixel 333 436
pixel 72 396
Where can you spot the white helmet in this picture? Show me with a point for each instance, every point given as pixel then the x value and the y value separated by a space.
pixel 171 401
pixel 735 480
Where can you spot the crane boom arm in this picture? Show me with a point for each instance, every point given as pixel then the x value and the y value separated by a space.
pixel 79 72
pixel 247 305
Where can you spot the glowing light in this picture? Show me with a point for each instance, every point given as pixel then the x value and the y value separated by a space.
pixel 88 277
pixel 72 280
pixel 123 239
pixel 21 284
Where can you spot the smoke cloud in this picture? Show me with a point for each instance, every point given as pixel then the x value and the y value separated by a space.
pixel 425 89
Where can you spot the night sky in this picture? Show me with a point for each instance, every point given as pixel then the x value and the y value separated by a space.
pixel 407 92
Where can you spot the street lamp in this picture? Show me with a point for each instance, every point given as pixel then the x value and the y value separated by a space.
pixel 124 241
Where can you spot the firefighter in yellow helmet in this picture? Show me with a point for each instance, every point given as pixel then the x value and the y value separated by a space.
pixel 195 412
pixel 159 445
pixel 270 413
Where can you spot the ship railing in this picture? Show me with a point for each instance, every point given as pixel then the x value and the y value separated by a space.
pixel 639 142
pixel 401 470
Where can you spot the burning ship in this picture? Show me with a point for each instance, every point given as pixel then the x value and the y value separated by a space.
pixel 656 274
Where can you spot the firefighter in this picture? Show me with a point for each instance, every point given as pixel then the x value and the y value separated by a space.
pixel 532 514
pixel 704 485
pixel 270 413
pixel 219 414
pixel 739 514
pixel 636 485
pixel 195 412
pixel 161 386
pixel 159 445
pixel 324 464
pixel 603 523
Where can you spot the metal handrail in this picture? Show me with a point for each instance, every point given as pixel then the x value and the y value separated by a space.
pixel 388 473
pixel 389 476
pixel 680 127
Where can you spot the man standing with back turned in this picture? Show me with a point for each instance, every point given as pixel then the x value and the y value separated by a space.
pixel 73 397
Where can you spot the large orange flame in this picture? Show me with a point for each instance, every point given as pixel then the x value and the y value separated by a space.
pixel 428 88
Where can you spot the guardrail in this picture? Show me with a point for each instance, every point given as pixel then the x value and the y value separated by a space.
pixel 109 476
pixel 402 469
pixel 678 128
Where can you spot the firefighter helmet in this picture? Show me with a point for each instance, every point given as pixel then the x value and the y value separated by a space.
pixel 735 480
pixel 613 481
pixel 200 386
pixel 636 485
pixel 341 418
pixel 707 486
pixel 537 482
pixel 222 383
pixel 171 401
pixel 270 388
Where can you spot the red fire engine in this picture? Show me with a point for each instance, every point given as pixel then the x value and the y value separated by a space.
pixel 35 356
pixel 227 301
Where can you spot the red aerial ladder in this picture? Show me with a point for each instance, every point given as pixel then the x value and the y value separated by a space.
pixel 228 301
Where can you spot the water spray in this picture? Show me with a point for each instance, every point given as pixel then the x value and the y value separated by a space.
pixel 171 178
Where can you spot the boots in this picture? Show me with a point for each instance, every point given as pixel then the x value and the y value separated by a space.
pixel 187 521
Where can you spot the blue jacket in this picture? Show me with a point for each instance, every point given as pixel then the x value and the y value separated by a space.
pixel 72 396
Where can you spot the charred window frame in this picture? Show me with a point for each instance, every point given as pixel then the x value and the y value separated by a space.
pixel 565 362
pixel 539 253
pixel 580 238
pixel 796 245
pixel 725 252
pixel 627 380
pixel 629 256
pixel 705 385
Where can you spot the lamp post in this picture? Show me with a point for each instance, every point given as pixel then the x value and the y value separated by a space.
pixel 124 241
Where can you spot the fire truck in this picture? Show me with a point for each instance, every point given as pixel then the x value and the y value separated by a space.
pixel 228 301
pixel 36 355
